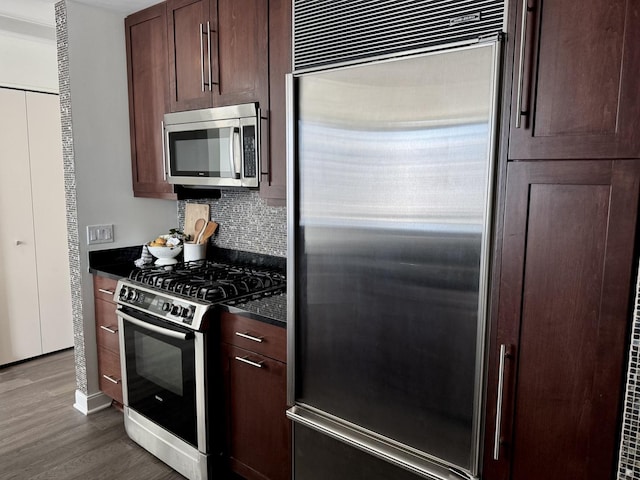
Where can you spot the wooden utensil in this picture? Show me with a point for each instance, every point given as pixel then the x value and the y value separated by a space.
pixel 199 228
pixel 207 232
pixel 192 212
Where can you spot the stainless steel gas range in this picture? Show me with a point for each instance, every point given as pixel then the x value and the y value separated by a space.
pixel 168 336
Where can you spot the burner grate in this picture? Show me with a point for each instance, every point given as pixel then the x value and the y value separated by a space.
pixel 210 281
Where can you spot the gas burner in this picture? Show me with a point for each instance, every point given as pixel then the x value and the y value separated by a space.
pixel 211 282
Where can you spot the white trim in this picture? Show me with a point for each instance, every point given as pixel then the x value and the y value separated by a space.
pixel 89 404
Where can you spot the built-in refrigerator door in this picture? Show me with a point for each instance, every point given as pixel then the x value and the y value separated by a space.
pixel 389 213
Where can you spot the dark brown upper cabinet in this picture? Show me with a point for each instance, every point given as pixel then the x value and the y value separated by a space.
pixel 274 168
pixel 575 80
pixel 218 53
pixel 147 75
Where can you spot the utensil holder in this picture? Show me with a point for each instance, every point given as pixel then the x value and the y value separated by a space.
pixel 194 251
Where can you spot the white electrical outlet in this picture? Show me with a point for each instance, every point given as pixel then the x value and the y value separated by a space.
pixel 99 234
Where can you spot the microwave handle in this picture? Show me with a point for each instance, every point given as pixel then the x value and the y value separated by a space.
pixel 234 152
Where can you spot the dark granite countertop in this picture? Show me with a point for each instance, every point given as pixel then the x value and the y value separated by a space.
pixel 271 310
pixel 117 263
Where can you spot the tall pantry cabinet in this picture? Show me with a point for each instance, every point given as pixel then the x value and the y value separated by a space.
pixel 566 241
pixel 35 291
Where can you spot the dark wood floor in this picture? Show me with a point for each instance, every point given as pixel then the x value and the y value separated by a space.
pixel 43 437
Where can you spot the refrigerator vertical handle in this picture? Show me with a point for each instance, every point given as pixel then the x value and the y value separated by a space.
pixel 526 10
pixel 496 440
pixel 291 220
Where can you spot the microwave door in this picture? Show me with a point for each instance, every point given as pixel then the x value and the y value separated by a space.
pixel 204 154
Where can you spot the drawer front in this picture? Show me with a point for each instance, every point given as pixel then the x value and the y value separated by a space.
pixel 110 376
pixel 254 335
pixel 107 326
pixel 104 288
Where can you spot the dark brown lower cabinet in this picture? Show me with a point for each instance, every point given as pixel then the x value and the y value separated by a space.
pixel 562 323
pixel 258 441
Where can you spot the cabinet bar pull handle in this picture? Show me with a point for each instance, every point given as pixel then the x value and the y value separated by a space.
pixel 164 154
pixel 108 292
pixel 108 329
pixel 200 32
pixel 111 379
pixel 521 62
pixel 496 439
pixel 209 47
pixel 250 337
pixel 249 362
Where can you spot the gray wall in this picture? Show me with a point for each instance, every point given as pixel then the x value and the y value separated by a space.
pixel 97 162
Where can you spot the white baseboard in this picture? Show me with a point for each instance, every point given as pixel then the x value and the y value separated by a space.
pixel 89 404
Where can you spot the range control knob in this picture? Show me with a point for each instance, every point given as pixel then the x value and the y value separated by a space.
pixel 166 307
pixel 123 292
pixel 176 309
pixel 132 295
pixel 186 312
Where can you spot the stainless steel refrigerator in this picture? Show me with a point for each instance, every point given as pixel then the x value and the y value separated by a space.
pixel 389 214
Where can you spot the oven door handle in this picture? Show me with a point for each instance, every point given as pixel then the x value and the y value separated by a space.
pixel 154 328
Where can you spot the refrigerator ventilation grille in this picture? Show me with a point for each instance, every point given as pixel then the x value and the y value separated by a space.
pixel 335 31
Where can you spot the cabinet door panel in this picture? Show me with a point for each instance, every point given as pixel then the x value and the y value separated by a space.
pixel 148 76
pixel 110 380
pixel 579 81
pixel 188 54
pixel 107 325
pixel 242 52
pixel 563 312
pixel 259 337
pixel 257 428
pixel 274 169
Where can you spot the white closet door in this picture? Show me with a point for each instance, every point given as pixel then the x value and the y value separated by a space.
pixel 19 316
pixel 49 219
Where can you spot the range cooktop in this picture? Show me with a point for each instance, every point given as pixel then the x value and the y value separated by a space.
pixel 184 292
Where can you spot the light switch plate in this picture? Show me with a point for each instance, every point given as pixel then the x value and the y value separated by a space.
pixel 99 234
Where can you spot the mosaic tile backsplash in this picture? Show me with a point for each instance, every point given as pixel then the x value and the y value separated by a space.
pixel 246 222
pixel 629 465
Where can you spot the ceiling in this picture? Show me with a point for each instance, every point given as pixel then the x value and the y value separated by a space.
pixel 42 12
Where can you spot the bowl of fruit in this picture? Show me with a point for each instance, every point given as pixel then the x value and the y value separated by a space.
pixel 166 248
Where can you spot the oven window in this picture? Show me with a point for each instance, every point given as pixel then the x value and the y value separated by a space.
pixel 161 376
pixel 159 362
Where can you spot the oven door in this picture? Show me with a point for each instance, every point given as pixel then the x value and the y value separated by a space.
pixel 163 374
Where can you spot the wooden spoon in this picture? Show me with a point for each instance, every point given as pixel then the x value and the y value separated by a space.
pixel 199 227
pixel 209 230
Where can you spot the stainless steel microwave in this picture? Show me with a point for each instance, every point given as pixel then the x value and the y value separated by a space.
pixel 213 147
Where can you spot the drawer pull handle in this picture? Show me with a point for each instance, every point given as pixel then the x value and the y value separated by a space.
pixel 250 337
pixel 111 379
pixel 108 329
pixel 249 362
pixel 108 292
